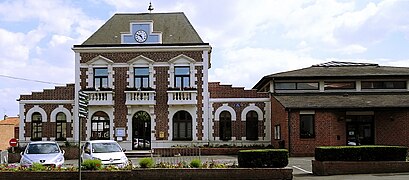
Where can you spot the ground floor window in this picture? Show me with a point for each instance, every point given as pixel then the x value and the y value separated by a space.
pixel 252 125
pixel 36 127
pixel 225 126
pixel 182 126
pixel 307 126
pixel 61 127
pixel 277 133
pixel 100 126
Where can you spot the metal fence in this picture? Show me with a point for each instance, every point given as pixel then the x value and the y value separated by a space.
pixel 177 155
pixel 4 157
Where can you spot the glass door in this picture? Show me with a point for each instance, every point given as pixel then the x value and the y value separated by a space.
pixel 360 130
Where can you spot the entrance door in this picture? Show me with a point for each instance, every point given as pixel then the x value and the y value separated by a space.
pixel 141 126
pixel 360 130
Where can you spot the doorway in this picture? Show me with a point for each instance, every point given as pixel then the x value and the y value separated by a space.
pixel 141 126
pixel 360 130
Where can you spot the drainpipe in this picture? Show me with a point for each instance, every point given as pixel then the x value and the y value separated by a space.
pixel 289 131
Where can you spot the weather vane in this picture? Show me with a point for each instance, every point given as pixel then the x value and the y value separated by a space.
pixel 150 8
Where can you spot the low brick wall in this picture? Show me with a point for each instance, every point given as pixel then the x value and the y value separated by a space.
pixel 234 173
pixel 195 151
pixel 323 168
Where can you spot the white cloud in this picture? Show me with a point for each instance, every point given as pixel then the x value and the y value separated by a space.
pixel 352 49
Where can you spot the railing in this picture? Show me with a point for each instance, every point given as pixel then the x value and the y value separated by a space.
pixel 4 157
pixel 100 97
pixel 182 97
pixel 140 97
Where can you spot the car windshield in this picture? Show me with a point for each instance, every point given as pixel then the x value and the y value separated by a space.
pixel 105 147
pixel 46 148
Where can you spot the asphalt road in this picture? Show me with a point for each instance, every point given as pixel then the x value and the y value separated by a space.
pixel 301 166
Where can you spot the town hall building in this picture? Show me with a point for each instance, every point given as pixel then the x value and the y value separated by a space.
pixel 146 81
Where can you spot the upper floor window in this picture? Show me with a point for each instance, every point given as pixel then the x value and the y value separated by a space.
pixel 296 86
pixel 141 77
pixel 339 85
pixel 182 77
pixel 307 126
pixel 100 78
pixel 383 85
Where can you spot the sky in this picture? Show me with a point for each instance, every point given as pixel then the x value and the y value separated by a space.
pixel 249 39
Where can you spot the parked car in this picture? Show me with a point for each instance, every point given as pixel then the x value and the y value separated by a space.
pixel 47 153
pixel 108 151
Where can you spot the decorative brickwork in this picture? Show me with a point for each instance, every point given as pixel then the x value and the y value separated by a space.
pixel 227 91
pixel 161 107
pixel 59 93
pixel 123 57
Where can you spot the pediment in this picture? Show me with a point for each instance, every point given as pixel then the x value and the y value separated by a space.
pixel 100 60
pixel 182 59
pixel 140 60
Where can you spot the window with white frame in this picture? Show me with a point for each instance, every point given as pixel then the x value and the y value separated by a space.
pixel 61 127
pixel 100 78
pixel 277 132
pixel 141 77
pixel 182 76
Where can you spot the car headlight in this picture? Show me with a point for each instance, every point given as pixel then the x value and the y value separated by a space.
pixel 59 159
pixel 25 161
pixel 124 158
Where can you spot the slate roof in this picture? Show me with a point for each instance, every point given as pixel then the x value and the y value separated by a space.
pixel 351 101
pixel 335 69
pixel 175 28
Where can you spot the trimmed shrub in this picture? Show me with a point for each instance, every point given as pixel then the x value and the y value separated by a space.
pixel 146 163
pixel 196 163
pixel 262 158
pixel 91 164
pixel 361 153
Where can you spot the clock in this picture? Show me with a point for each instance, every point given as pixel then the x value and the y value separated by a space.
pixel 140 36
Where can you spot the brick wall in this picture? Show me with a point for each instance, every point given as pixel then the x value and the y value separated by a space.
pixel 161 107
pixel 59 93
pixel 279 116
pixel 227 91
pixel 391 127
pixel 123 57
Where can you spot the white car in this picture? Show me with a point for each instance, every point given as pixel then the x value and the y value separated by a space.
pixel 108 151
pixel 47 153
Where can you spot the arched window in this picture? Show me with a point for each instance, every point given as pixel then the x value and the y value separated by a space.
pixel 36 127
pixel 141 126
pixel 61 127
pixel 252 125
pixel 100 126
pixel 182 126
pixel 225 126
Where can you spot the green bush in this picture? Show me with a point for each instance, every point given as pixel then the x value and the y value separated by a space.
pixel 146 163
pixel 91 164
pixel 37 167
pixel 196 163
pixel 361 153
pixel 276 158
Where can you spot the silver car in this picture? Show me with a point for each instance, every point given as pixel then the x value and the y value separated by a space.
pixel 47 153
pixel 108 151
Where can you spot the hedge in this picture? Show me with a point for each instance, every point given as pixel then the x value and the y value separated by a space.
pixel 261 158
pixel 361 153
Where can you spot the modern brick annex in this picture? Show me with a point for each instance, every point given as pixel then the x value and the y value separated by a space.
pixel 146 76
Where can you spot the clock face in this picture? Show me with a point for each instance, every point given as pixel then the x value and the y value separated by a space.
pixel 141 36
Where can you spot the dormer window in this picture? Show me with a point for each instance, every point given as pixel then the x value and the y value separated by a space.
pixel 182 77
pixel 141 77
pixel 100 78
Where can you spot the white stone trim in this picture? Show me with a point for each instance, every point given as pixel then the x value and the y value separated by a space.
pixel 205 95
pixel 140 61
pixel 252 107
pixel 225 107
pixel 109 110
pixel 75 127
pixel 47 101
pixel 141 49
pixel 191 110
pixel 267 123
pixel 100 62
pixel 307 112
pixel 155 64
pixel 62 109
pixel 34 109
pixel 22 123
pixel 131 112
pixel 182 60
